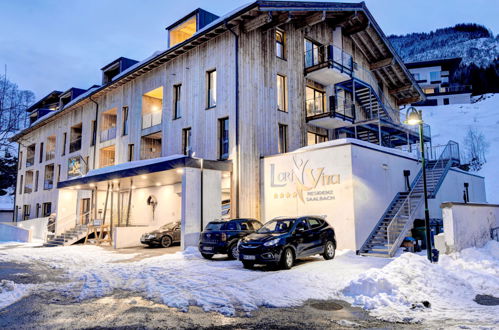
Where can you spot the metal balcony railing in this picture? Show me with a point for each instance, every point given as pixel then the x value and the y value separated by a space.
pixel 151 119
pixel 108 134
pixel 331 55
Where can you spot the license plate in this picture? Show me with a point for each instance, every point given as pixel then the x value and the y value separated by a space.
pixel 249 257
pixel 208 248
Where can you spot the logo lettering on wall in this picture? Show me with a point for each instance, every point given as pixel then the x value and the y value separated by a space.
pixel 310 184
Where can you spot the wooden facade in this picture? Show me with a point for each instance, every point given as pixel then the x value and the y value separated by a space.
pixel 348 26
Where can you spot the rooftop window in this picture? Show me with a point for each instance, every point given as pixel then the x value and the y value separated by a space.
pixel 183 31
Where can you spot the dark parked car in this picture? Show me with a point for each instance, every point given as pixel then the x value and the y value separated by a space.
pixel 221 237
pixel 281 241
pixel 164 236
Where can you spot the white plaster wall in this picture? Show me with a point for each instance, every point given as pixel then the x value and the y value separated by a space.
pixel 124 237
pixel 37 226
pixel 377 178
pixel 191 207
pixel 212 196
pixel 66 211
pixel 281 195
pixel 168 208
pixel 468 225
pixel 12 233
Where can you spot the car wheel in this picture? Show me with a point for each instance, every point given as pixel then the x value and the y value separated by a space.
pixel 166 241
pixel 248 265
pixel 329 250
pixel 233 251
pixel 207 256
pixel 287 259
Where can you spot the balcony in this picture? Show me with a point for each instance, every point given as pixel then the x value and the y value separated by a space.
pixel 107 134
pixel 328 65
pixel 151 119
pixel 341 112
pixel 75 145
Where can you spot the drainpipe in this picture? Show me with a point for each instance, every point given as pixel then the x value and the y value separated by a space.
pixel 236 48
pixel 14 216
pixel 95 130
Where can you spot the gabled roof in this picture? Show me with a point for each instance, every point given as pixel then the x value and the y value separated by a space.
pixel 355 19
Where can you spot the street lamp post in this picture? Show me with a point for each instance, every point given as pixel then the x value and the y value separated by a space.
pixel 415 117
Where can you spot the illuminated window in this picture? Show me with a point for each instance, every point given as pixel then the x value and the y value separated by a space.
pixel 314 138
pixel 281 93
pixel 152 108
pixel 183 31
pixel 280 43
pixel 315 101
pixel 211 88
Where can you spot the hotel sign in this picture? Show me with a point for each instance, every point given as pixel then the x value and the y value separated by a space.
pixel 307 183
pixel 75 167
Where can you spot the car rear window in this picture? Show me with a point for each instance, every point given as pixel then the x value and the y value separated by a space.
pixel 314 223
pixel 231 225
pixel 214 226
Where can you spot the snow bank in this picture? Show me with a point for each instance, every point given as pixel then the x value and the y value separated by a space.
pixel 397 291
pixel 391 289
pixel 11 292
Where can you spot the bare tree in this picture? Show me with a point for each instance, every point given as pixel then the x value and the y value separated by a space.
pixel 13 116
pixel 475 148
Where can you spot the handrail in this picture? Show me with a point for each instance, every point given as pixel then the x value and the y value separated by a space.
pixel 64 221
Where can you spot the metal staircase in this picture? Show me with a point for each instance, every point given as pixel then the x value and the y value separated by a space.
pixel 366 97
pixel 69 237
pixel 398 218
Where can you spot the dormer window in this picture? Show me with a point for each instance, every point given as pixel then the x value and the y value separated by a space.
pixel 187 26
pixel 183 31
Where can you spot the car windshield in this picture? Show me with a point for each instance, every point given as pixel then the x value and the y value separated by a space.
pixel 277 226
pixel 214 226
pixel 169 226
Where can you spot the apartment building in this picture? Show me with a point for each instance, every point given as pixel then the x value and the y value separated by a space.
pixel 181 134
pixel 436 80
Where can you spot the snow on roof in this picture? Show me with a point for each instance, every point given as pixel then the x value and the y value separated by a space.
pixel 136 65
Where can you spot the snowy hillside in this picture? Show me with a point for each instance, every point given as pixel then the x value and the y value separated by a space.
pixel 452 122
pixel 473 43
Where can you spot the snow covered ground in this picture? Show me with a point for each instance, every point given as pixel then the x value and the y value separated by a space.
pixel 452 122
pixel 391 289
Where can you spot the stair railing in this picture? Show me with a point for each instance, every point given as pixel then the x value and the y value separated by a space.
pixel 63 222
pixel 401 221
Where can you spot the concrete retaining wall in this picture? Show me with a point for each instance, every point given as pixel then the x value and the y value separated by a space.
pixel 37 226
pixel 468 225
pixel 9 233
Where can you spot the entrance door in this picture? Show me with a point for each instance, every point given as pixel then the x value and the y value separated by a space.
pixel 85 211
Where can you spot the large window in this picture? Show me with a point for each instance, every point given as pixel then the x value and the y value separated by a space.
pixel 75 138
pixel 108 125
pixel 28 184
pixel 107 156
pixel 150 146
pixel 152 108
pixel 211 88
pixel 280 43
pixel 283 138
pixel 177 110
pixel 223 125
pixel 281 93
pixel 314 138
pixel 50 151
pixel 314 53
pixel 30 155
pixel 124 113
pixel 315 101
pixel 186 141
pixel 182 31
pixel 48 182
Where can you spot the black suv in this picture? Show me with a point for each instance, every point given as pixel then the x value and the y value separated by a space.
pixel 281 241
pixel 221 237
pixel 164 236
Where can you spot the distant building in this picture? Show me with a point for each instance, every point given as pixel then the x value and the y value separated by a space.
pixel 435 79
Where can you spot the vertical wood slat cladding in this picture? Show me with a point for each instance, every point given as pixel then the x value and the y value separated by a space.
pixel 259 117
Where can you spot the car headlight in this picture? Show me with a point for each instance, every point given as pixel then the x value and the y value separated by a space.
pixel 272 242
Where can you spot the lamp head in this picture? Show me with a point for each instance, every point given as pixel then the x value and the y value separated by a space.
pixel 413 117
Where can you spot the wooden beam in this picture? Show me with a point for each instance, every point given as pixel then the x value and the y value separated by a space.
pixel 370 44
pixel 400 89
pixel 408 100
pixel 381 64
pixel 257 22
pixel 364 48
pixel 385 72
pixel 312 19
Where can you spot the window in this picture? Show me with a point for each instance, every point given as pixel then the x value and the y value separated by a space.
pixel 131 152
pixel 211 78
pixel 94 133
pixel 108 125
pixel 26 211
pixel 280 43
pixel 64 138
pixel 124 112
pixel 281 93
pixel 314 138
pixel 314 53
pixel 20 161
pixel 177 110
pixel 283 138
pixel 48 182
pixel 75 138
pixel 107 156
pixel 50 151
pixel 37 210
pixel 58 173
pixel 435 77
pixel 315 101
pixel 417 76
pixel 223 138
pixel 21 185
pixel 41 153
pixel 446 101
pixel 30 155
pixel 46 209
pixel 186 141
pixel 37 174
pixel 150 146
pixel 152 108
pixel 183 31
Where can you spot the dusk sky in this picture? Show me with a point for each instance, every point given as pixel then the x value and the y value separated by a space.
pixel 55 44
